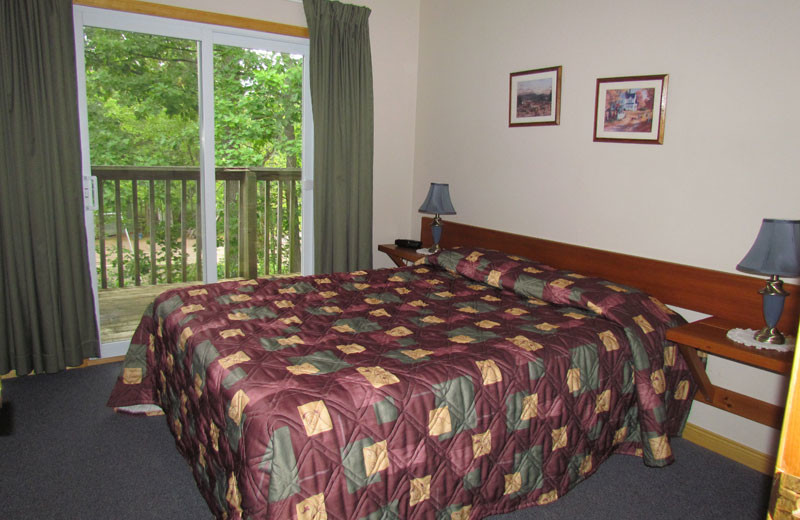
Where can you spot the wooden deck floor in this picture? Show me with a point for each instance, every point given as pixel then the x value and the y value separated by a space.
pixel 121 309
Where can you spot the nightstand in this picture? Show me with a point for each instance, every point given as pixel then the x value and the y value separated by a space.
pixel 709 335
pixel 400 255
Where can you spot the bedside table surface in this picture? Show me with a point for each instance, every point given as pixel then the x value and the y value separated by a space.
pixel 398 254
pixel 710 335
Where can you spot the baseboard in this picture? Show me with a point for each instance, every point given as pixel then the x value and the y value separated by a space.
pixel 731 449
pixel 86 363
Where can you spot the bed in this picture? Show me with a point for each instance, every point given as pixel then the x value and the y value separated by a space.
pixel 475 383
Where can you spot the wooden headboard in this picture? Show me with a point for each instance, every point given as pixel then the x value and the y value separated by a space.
pixel 730 296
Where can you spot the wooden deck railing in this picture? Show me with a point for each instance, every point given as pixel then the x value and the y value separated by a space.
pixel 258 223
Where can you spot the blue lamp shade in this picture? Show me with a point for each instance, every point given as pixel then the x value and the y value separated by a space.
pixel 438 200
pixel 776 250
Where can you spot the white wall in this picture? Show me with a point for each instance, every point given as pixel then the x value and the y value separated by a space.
pixel 730 154
pixel 394 40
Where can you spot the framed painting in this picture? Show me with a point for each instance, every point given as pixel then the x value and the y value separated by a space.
pixel 631 109
pixel 534 97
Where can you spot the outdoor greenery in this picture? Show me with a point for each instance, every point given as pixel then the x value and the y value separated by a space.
pixel 142 98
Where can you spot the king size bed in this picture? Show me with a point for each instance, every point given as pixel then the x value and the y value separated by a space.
pixel 473 383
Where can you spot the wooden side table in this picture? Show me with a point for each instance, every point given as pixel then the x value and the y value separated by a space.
pixel 709 335
pixel 400 255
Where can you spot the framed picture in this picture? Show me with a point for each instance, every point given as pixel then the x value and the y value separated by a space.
pixel 534 97
pixel 631 109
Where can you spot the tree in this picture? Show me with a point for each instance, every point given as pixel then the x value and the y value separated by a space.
pixel 142 98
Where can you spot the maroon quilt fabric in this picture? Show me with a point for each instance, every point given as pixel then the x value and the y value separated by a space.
pixel 473 385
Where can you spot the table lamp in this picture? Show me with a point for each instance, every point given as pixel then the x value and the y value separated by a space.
pixel 776 252
pixel 437 203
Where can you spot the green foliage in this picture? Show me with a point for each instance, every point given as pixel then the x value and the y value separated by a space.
pixel 142 97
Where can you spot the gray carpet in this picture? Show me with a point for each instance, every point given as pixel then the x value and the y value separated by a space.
pixel 63 454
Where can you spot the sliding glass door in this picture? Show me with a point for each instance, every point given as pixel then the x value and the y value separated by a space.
pixel 193 144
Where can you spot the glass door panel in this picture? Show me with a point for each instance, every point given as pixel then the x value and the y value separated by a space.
pixel 142 106
pixel 258 116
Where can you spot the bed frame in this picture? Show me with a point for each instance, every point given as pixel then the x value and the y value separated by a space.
pixel 729 296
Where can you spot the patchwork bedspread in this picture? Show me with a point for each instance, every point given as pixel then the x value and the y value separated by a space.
pixel 474 384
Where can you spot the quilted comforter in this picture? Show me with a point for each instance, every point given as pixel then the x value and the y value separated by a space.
pixel 475 384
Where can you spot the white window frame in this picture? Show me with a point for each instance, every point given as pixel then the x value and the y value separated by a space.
pixel 207 35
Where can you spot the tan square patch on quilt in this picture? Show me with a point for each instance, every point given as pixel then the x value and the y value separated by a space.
pixel 609 340
pixel 315 417
pixel 439 421
pixel 378 376
pixel 376 458
pixel 420 490
pixel 603 402
pixel 312 508
pixel 525 343
pixel 489 372
pixel 530 407
pixel 352 348
pixel 482 444
pixel 513 483
pixel 559 436
pixel 132 376
pixel 660 447
pixel 234 359
pixel 238 402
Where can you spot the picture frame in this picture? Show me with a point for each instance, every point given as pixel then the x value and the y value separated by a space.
pixel 631 109
pixel 534 97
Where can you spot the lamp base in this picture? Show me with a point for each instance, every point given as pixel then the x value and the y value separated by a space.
pixel 770 335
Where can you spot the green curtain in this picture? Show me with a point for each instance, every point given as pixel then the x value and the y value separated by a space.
pixel 340 65
pixel 47 318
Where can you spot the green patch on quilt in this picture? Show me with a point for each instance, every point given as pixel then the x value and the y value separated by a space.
pixel 385 297
pixel 233 431
pixel 253 313
pixel 584 358
pixel 544 331
pixel 640 358
pixel 168 306
pixel 300 288
pixel 404 358
pixel 391 511
pixel 246 289
pixel 280 462
pixel 449 260
pixel 628 383
pixel 472 479
pixel 204 354
pixel 471 307
pixel 325 310
pixel 514 408
pixel 459 396
pixel 463 334
pixel 403 277
pixel 353 461
pixel 136 358
pixel 536 369
pixel 355 325
pixel 529 286
pixel 234 376
pixel 528 464
pixel 594 432
pixel 186 319
pixel 574 469
pixel 448 512
pixel 325 361
pixel 385 410
pixel 660 413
